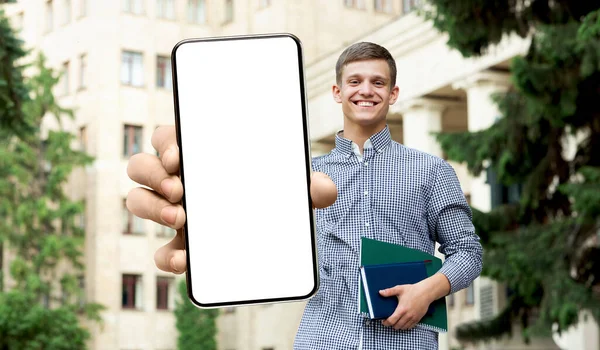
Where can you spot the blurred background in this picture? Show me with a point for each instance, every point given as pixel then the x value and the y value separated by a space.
pixel 505 91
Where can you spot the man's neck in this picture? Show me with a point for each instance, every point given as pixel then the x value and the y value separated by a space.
pixel 360 134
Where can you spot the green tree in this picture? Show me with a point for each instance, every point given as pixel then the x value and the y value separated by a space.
pixel 197 327
pixel 41 304
pixel 543 245
pixel 13 92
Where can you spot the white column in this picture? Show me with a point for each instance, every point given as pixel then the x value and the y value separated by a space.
pixel 421 117
pixel 482 112
pixel 584 336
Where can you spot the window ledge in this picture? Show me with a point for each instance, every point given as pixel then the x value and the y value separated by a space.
pixel 125 308
pixel 143 14
pixel 143 86
pixel 134 234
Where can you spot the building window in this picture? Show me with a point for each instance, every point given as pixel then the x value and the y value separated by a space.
pixel 384 6
pixel 470 295
pixel 132 292
pixel 132 68
pixel 19 22
pixel 165 9
pixel 228 11
pixel 65 78
pixel 83 8
pixel 83 139
pixel 64 295
pixel 80 218
pixel 82 70
pixel 197 11
pixel 46 299
pixel 264 3
pixel 164 293
pixel 163 72
pixel 67 13
pixel 409 5
pixel 81 297
pixel 1 266
pixel 132 140
pixel 46 164
pixel 135 7
pixel 131 223
pixel 49 16
pixel 357 4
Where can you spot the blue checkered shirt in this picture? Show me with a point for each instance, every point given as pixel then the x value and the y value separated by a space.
pixel 395 194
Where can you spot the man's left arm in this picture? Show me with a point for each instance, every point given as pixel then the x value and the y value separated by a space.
pixel 449 220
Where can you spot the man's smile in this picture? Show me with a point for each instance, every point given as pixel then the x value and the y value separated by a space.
pixel 362 103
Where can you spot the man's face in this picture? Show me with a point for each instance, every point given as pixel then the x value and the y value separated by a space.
pixel 365 93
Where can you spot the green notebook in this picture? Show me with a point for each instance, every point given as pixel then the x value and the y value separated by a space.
pixel 378 252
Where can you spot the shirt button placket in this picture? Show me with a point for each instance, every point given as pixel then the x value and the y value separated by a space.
pixel 366 204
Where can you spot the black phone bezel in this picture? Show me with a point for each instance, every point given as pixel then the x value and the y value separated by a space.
pixel 308 161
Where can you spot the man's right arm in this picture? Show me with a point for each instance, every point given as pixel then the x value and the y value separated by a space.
pixel 161 203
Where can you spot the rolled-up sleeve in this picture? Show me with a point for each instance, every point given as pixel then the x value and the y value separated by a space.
pixel 449 219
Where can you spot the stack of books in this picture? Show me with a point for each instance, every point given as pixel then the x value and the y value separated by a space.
pixel 385 265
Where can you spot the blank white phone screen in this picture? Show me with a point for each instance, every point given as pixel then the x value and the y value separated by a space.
pixel 245 166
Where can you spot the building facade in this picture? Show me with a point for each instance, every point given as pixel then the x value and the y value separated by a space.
pixel 115 56
pixel 115 60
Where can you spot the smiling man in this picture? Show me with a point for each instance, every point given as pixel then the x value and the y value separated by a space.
pixel 386 191
pixel 389 192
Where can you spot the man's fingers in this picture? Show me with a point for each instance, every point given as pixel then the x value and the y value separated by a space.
pixel 171 257
pixel 147 204
pixel 405 322
pixel 393 291
pixel 164 140
pixel 148 170
pixel 323 191
pixel 393 319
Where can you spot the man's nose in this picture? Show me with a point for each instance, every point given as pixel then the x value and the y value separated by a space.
pixel 366 89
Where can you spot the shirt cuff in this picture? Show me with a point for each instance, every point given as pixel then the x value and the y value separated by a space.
pixel 453 272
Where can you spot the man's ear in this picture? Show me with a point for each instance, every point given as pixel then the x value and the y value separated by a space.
pixel 394 95
pixel 336 94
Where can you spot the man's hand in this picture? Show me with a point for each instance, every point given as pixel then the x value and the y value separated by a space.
pixel 161 203
pixel 414 300
pixel 412 306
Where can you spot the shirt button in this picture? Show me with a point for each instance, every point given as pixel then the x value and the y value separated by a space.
pixel 366 193
pixel 366 163
pixel 367 224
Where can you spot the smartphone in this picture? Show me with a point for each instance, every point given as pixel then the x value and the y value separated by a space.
pixel 243 136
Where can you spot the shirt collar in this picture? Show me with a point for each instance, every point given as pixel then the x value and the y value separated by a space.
pixel 379 141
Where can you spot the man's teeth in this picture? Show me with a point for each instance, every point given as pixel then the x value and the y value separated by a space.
pixel 365 104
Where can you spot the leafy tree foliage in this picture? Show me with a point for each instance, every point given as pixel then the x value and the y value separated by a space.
pixel 544 245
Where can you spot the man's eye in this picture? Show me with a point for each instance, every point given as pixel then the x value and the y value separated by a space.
pixel 353 81
pixel 379 83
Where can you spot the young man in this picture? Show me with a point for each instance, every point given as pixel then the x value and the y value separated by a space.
pixel 386 191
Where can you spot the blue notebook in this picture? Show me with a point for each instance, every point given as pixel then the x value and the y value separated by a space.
pixel 383 276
